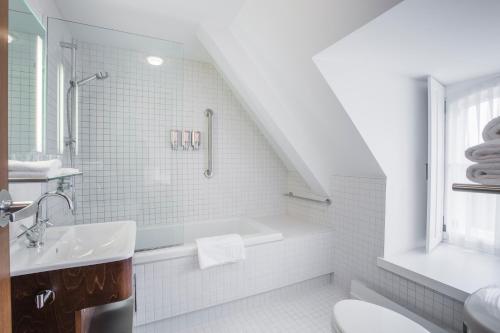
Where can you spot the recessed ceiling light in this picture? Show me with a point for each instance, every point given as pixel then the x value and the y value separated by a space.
pixel 10 39
pixel 155 61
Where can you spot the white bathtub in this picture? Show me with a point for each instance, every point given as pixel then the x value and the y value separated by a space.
pixel 155 243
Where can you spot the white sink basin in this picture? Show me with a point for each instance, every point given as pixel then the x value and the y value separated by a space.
pixel 73 246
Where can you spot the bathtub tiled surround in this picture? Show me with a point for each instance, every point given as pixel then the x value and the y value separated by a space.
pixel 130 170
pixel 357 217
pixel 302 307
pixel 177 286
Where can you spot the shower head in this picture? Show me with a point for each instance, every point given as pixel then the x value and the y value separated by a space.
pixel 101 75
pixel 98 76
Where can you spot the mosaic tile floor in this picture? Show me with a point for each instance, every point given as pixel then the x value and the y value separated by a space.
pixel 308 312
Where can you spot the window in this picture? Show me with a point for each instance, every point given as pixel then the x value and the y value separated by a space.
pixel 472 219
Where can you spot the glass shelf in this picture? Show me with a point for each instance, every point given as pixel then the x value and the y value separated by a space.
pixel 478 188
pixel 43 179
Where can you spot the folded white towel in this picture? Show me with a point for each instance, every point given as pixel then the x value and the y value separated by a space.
pixel 43 174
pixel 492 130
pixel 34 166
pixel 485 152
pixel 484 173
pixel 219 250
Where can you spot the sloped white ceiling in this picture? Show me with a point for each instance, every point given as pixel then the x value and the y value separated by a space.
pixel 175 20
pixel 278 39
pixel 265 49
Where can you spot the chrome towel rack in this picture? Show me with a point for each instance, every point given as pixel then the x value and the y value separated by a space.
pixel 478 188
pixel 209 171
pixel 326 201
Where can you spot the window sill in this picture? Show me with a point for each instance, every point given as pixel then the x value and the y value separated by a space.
pixel 450 270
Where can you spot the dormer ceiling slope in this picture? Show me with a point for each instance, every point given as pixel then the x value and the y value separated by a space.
pixel 264 48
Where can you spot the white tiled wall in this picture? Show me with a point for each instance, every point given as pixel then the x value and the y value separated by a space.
pixel 130 172
pixel 357 216
pixel 174 287
pixel 22 94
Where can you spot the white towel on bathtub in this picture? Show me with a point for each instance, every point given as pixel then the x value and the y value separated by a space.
pixel 488 152
pixel 219 250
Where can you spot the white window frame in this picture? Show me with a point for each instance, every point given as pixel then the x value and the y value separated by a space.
pixel 437 163
pixel 436 122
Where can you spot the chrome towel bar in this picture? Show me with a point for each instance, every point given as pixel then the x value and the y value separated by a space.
pixel 326 201
pixel 478 188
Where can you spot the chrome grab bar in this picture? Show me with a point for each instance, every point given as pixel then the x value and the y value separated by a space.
pixel 326 201
pixel 209 171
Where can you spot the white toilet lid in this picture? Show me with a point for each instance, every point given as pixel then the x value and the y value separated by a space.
pixel 353 316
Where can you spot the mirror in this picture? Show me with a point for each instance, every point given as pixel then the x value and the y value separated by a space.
pixel 27 124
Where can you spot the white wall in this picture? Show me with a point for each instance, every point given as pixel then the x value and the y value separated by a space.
pixel 395 128
pixel 391 113
pixel 282 43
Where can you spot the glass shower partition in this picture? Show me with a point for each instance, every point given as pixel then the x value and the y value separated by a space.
pixel 115 97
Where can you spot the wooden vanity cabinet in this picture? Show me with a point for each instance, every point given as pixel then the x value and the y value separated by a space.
pixel 77 290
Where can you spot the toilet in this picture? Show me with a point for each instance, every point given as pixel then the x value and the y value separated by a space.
pixel 354 316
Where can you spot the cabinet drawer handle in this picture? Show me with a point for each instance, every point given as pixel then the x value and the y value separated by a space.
pixel 44 297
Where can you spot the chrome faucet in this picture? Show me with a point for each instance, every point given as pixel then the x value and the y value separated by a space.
pixel 35 234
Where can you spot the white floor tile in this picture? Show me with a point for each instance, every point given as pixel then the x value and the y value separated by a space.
pixel 308 312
